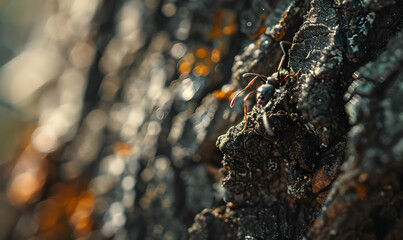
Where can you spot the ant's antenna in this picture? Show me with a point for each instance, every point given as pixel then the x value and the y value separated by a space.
pixel 263 77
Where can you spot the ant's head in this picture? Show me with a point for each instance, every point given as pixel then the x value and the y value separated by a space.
pixel 264 94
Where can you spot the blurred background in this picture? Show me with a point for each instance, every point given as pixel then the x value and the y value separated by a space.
pixel 110 110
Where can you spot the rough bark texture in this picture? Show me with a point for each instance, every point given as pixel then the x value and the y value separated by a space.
pixel 279 186
pixel 152 151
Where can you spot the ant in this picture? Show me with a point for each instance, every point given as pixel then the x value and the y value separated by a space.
pixel 265 92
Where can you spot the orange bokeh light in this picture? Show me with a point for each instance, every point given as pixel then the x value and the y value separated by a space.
pixel 201 69
pixel 185 67
pixel 201 53
pixel 122 149
pixel 216 56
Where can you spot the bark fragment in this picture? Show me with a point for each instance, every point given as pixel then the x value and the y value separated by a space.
pixel 300 164
pixel 369 186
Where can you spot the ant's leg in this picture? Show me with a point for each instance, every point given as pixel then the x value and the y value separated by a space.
pixel 266 124
pixel 284 54
pixel 291 75
pixel 246 110
pixel 281 63
pixel 282 44
pixel 243 90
